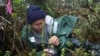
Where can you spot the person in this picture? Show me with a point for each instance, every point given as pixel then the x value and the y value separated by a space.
pixel 38 31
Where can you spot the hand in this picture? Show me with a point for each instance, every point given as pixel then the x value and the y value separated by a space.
pixel 54 41
pixel 49 52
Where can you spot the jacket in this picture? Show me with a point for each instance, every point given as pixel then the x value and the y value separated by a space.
pixel 61 27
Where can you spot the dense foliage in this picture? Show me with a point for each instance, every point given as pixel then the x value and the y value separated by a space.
pixel 87 27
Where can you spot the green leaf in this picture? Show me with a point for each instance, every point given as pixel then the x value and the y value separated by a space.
pixel 90 2
pixel 17 1
pixel 97 8
pixel 69 44
pixel 50 10
pixel 14 15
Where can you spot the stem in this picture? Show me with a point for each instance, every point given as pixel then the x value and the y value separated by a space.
pixel 43 35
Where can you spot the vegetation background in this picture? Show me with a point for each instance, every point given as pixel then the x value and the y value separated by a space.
pixel 87 27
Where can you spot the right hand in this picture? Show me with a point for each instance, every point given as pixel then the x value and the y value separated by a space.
pixel 54 40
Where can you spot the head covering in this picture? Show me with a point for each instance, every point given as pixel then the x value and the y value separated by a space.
pixel 35 13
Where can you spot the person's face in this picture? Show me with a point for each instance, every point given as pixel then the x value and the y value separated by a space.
pixel 38 25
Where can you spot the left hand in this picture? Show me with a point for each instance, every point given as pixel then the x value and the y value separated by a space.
pixel 54 40
pixel 47 52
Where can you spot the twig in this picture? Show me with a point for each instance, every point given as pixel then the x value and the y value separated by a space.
pixel 19 41
pixel 17 51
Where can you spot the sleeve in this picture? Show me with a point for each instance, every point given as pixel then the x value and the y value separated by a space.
pixel 26 36
pixel 24 32
pixel 63 41
pixel 64 28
